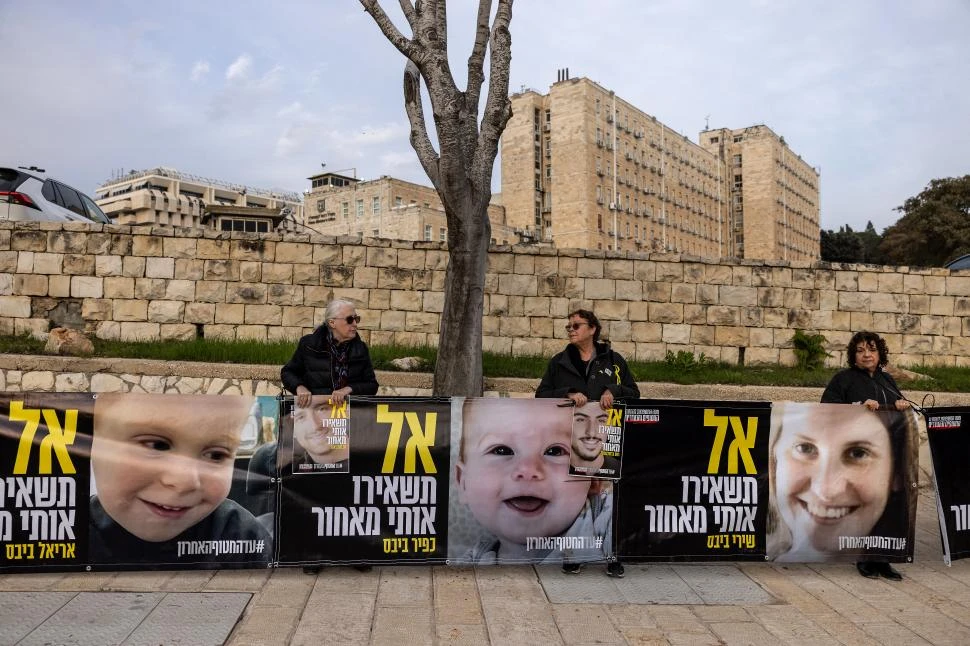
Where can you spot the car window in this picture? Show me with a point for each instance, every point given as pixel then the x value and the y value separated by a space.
pixel 49 193
pixel 70 199
pixel 10 179
pixel 94 213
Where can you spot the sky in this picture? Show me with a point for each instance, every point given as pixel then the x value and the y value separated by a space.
pixel 873 93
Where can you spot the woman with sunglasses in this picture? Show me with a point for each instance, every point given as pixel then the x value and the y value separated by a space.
pixel 333 360
pixel 588 370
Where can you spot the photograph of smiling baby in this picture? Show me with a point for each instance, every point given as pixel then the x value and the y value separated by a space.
pixel 842 483
pixel 162 469
pixel 513 486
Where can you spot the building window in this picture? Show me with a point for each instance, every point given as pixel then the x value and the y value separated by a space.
pixel 377 206
pixel 737 182
pixel 345 209
pixel 244 224
pixel 737 139
pixel 376 233
pixel 714 140
pixel 360 208
pixel 398 201
pixel 442 234
pixel 737 160
pixel 427 233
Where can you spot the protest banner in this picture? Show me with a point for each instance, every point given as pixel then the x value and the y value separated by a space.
pixel 948 431
pixel 384 500
pixel 694 481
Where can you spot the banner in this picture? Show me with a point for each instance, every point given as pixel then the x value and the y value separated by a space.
pixel 513 498
pixel 843 483
pixel 128 481
pixel 694 482
pixel 948 430
pixel 148 481
pixel 364 482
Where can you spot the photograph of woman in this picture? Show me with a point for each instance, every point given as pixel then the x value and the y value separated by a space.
pixel 838 473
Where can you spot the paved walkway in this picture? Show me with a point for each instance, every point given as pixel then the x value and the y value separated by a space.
pixel 655 604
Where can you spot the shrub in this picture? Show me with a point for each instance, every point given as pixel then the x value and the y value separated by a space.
pixel 810 350
pixel 686 361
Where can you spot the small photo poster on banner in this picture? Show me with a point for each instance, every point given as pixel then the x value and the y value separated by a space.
pixel 597 441
pixel 320 440
pixel 948 430
pixel 842 483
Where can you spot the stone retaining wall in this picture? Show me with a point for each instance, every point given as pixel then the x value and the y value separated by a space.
pixel 162 283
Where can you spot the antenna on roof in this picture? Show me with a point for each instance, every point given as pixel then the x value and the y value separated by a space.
pixel 707 122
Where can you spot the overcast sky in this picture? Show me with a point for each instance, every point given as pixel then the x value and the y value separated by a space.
pixel 872 92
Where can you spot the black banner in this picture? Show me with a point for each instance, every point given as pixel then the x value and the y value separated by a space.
pixel 694 481
pixel 379 498
pixel 948 430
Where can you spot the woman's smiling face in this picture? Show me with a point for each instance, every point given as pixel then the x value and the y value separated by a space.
pixel 833 475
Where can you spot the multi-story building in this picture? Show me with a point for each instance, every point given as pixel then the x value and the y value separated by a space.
pixel 386 208
pixel 581 167
pixel 773 206
pixel 168 197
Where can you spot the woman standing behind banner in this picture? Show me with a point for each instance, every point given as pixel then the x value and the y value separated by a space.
pixel 334 361
pixel 588 370
pixel 866 382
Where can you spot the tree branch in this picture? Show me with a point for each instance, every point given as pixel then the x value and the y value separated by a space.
pixel 408 9
pixel 498 107
pixel 476 61
pixel 396 38
pixel 420 141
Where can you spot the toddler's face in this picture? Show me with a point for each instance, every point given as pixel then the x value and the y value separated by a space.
pixel 162 463
pixel 514 474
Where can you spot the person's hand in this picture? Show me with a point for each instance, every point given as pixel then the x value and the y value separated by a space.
pixel 302 396
pixel 902 404
pixel 871 404
pixel 606 401
pixel 578 398
pixel 338 396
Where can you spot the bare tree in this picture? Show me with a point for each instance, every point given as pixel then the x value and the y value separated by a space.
pixel 461 168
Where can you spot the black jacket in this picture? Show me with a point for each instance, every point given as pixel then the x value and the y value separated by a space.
pixel 606 370
pixel 855 385
pixel 311 366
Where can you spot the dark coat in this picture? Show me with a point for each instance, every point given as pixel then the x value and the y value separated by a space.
pixel 855 385
pixel 311 366
pixel 606 371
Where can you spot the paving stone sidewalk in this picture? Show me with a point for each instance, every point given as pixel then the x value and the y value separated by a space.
pixel 755 603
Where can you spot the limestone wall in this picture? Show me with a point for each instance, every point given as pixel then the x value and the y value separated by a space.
pixel 163 283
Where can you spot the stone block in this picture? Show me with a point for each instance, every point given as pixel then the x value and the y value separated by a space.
pixel 165 311
pixel 221 270
pixel 731 336
pixel 180 290
pixel 189 269
pixel 147 245
pixel 306 274
pixel 78 265
pixel 284 295
pixel 277 273
pixel 888 303
pixel 15 306
pixel 854 301
pixel 536 306
pixel 129 309
pixel 589 267
pixel 644 270
pixel 30 284
pixel 263 315
pixel 250 293
pixel 160 268
pixel 27 240
pixel 139 331
pixel 180 247
pixel 255 249
pixel 177 332
pixel 229 314
pixel 618 269
pixel 293 252
pixel 87 287
pixel 250 271
pixel 666 312
pixel 150 288
pixel 381 257
pixel 518 285
pixel 199 313
pixel 942 305
pixel 48 263
pixel 737 295
pixel 337 276
pixel 96 309
pixel 676 333
pixel 212 249
pixel 695 314
pixel 600 289
pixel 395 278
pixel 723 315
pixel 59 286
pixel 133 266
pixel 405 300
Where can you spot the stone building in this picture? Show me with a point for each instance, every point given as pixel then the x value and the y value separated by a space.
pixel 166 196
pixel 583 168
pixel 773 208
pixel 386 208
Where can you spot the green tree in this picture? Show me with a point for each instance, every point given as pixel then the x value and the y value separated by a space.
pixel 935 226
pixel 841 246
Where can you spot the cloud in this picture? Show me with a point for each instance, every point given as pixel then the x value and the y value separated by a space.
pixel 199 70
pixel 239 69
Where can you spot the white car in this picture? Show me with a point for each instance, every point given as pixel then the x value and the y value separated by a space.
pixel 28 194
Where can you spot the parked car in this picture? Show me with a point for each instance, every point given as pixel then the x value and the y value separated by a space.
pixel 28 194
pixel 963 262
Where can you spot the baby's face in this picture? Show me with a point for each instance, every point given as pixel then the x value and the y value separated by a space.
pixel 514 475
pixel 162 463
